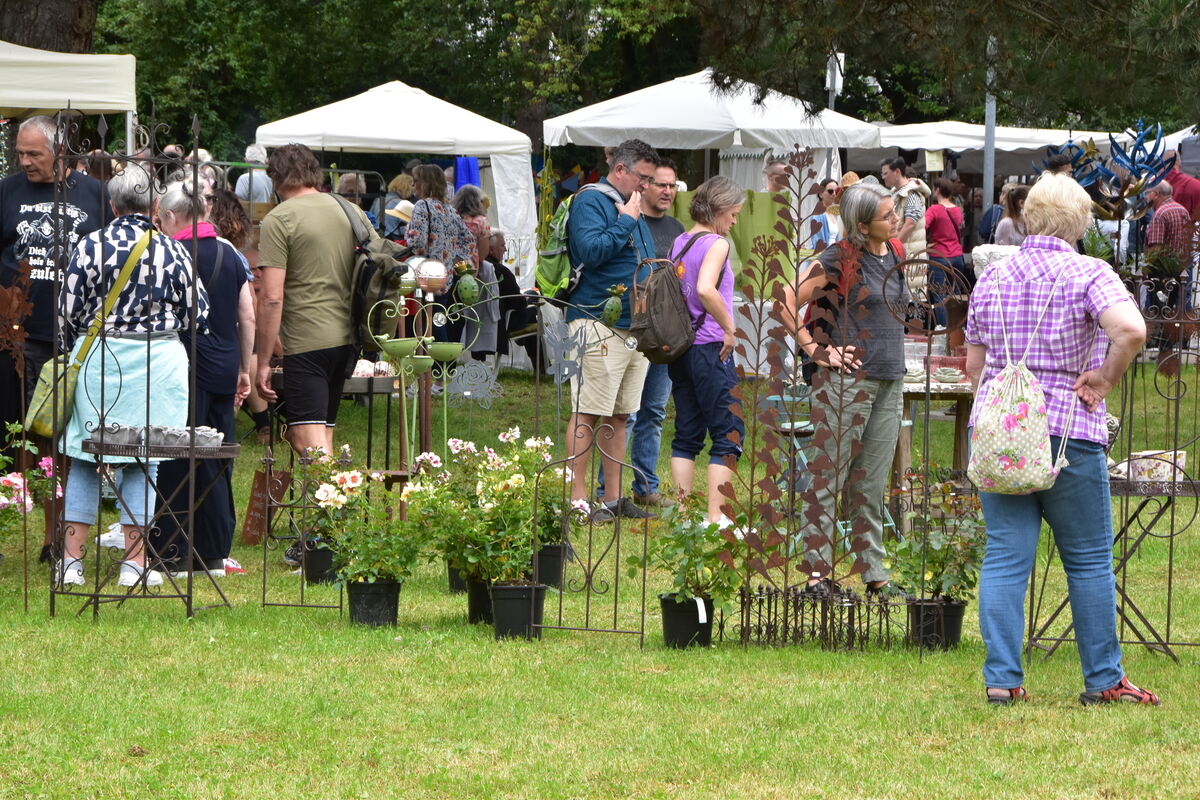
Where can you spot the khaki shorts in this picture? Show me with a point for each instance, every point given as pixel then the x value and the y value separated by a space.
pixel 611 375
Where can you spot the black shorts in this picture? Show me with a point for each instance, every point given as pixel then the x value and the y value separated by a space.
pixel 312 384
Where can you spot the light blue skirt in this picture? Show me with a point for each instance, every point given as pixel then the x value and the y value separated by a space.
pixel 128 381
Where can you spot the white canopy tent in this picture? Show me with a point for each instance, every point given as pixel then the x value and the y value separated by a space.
pixel 396 118
pixel 44 82
pixel 1171 140
pixel 688 113
pixel 1016 148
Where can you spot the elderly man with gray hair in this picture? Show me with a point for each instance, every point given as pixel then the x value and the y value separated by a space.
pixel 254 186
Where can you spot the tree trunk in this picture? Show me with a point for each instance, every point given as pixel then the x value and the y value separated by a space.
pixel 65 26
pixel 529 122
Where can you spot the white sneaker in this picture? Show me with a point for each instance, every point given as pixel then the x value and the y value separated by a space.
pixel 131 573
pixel 112 537
pixel 70 572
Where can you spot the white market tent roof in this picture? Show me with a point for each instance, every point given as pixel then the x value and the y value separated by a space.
pixel 1016 148
pixel 689 114
pixel 44 82
pixel 395 118
pixel 1171 140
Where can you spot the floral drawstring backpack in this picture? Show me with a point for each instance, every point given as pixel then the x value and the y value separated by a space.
pixel 1010 443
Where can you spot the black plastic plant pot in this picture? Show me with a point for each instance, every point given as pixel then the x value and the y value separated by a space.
pixel 458 584
pixel 935 624
pixel 318 565
pixel 686 624
pixel 517 610
pixel 479 602
pixel 373 604
pixel 550 564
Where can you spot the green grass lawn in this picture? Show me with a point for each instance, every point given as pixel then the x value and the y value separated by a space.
pixel 296 703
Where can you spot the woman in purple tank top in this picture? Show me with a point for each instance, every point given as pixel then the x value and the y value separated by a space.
pixel 703 377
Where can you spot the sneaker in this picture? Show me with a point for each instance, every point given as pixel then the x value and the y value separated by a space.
pixel 655 500
pixel 234 568
pixel 1013 696
pixel 822 589
pixel 625 507
pixel 1123 692
pixel 291 556
pixel 112 537
pixel 70 572
pixel 888 591
pixel 602 515
pixel 132 572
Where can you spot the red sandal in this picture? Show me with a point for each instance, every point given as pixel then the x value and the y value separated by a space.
pixel 1017 695
pixel 1123 692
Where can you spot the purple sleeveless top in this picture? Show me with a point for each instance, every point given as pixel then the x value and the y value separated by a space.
pixel 710 331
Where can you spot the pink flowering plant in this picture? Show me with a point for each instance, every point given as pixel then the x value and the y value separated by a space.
pixel 21 492
pixel 359 519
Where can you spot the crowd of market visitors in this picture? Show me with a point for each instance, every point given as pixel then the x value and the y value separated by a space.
pixel 208 302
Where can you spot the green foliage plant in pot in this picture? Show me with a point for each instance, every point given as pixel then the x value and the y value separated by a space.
pixel 699 558
pixel 939 559
pixel 555 516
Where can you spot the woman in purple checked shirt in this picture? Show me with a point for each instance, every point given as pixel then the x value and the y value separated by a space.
pixel 1086 293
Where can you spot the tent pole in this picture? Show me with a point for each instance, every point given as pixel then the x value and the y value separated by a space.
pixel 989 133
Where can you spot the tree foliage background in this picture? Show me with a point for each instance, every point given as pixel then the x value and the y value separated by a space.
pixel 1070 63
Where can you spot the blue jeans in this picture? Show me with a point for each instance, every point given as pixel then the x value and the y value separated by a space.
pixel 702 386
pixel 645 427
pixel 135 489
pixel 1079 510
pixel 940 280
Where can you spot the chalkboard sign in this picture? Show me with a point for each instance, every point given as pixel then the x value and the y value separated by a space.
pixel 255 523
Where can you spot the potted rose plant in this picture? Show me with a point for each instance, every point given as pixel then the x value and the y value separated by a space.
pixel 699 556
pixel 939 559
pixel 372 548
pixel 23 491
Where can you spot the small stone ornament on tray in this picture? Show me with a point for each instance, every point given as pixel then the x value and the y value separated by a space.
pixel 167 436
pixel 949 375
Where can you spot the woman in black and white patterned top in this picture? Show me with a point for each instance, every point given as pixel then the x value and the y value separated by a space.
pixel 136 372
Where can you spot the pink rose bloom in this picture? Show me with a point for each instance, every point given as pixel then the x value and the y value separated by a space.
pixel 1011 423
pixel 1022 410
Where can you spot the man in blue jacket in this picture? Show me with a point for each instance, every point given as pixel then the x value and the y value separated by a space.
pixel 607 240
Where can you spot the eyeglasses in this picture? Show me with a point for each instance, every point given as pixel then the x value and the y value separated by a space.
pixel 829 191
pixel 886 217
pixel 664 185
pixel 643 178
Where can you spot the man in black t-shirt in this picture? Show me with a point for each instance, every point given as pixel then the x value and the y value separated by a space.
pixel 645 426
pixel 39 226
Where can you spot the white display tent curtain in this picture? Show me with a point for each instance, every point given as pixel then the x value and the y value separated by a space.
pixel 688 113
pixel 43 82
pixel 396 118
pixel 745 165
pixel 1016 148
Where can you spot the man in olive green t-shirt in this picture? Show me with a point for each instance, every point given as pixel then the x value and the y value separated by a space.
pixel 306 250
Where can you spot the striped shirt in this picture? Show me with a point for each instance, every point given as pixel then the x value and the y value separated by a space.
pixel 157 298
pixel 1087 287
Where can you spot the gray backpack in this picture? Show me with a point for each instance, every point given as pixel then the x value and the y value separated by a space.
pixel 662 324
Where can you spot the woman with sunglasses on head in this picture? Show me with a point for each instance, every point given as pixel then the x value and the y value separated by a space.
pixel 857 346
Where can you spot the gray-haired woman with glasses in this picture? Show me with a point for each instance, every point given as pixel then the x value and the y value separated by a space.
pixel 857 346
